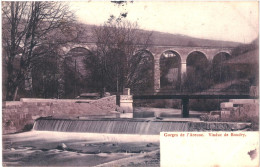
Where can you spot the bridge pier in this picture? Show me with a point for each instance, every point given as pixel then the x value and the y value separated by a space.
pixel 183 71
pixel 183 67
pixel 157 74
pixel 185 107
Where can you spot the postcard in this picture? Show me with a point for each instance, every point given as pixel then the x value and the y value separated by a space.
pixel 130 83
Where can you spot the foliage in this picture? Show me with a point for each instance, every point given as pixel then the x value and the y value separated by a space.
pixel 202 78
pixel 243 48
pixel 121 55
pixel 27 26
pixel 170 66
pixel 198 80
pixel 45 77
pixel 27 127
pixel 158 103
pixel 205 104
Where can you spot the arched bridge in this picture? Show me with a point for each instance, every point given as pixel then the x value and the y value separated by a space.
pixel 182 59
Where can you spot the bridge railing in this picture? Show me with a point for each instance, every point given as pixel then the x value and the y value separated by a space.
pixel 212 91
pixel 170 91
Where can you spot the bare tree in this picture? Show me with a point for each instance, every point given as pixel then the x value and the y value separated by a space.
pixel 118 41
pixel 26 26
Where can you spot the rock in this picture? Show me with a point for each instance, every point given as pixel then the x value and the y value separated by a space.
pixel 62 146
pixel 204 117
pixel 106 94
pixel 214 118
pixel 211 118
pixel 119 109
pixel 159 118
pixel 243 101
pixel 215 113
pixel 149 145
pixel 226 105
pixel 225 114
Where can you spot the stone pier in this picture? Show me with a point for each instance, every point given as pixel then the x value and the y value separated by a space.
pixel 126 102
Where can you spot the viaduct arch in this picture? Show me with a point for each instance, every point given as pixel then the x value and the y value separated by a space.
pixel 181 57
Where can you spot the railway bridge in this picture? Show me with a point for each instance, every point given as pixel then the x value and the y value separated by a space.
pixel 181 58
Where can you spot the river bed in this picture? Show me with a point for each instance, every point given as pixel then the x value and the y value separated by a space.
pixel 41 148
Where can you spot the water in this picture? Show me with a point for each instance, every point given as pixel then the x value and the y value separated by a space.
pixel 110 126
pixel 39 148
pixel 96 141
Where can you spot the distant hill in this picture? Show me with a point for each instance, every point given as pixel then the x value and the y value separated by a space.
pixel 161 38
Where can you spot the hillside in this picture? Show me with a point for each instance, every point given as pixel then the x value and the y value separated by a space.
pixel 183 40
pixel 160 38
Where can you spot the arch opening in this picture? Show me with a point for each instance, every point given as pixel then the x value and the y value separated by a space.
pixel 170 70
pixel 198 74
pixel 78 72
pixel 141 72
pixel 220 73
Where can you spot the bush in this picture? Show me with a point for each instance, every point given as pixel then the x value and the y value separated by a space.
pixel 162 103
pixel 27 127
pixel 205 104
pixel 210 118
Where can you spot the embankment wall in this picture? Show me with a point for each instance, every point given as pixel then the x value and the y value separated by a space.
pixel 18 114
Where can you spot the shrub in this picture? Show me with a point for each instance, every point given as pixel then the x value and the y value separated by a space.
pixel 162 103
pixel 205 104
pixel 27 127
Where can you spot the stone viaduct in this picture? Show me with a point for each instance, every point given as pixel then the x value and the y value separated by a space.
pixel 183 52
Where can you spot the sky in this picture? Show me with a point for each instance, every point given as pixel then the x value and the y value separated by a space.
pixel 228 21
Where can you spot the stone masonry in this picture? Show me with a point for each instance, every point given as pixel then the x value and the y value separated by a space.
pixel 20 113
pixel 156 51
pixel 240 110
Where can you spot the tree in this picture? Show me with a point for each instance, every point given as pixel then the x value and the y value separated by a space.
pixel 118 43
pixel 44 77
pixel 26 26
pixel 141 72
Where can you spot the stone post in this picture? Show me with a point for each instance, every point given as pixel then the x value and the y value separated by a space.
pixel 126 101
pixel 254 91
pixel 185 107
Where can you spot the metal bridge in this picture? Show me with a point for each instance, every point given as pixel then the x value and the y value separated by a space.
pixel 185 97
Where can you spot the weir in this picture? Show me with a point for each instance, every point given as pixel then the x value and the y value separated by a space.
pixel 131 126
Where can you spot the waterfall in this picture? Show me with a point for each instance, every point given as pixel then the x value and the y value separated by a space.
pixel 112 126
pixel 132 126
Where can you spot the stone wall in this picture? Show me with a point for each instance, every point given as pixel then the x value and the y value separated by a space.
pixel 241 110
pixel 236 110
pixel 18 114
